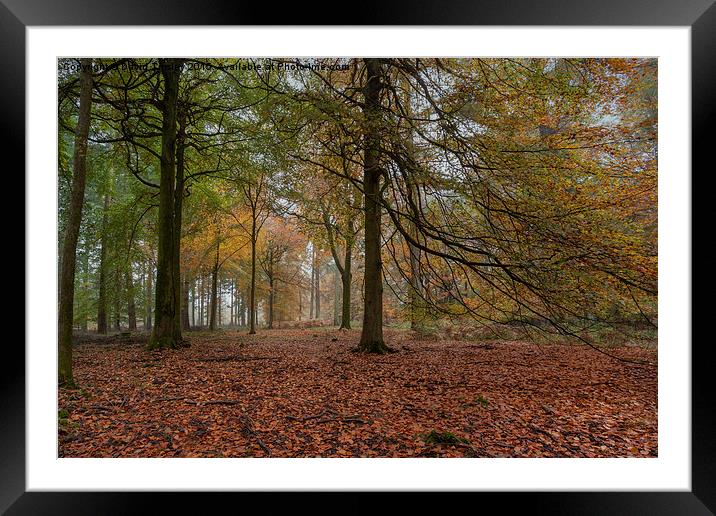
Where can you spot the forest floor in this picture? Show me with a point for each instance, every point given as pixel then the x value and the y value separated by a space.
pixel 305 393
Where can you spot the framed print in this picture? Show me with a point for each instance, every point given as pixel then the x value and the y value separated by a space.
pixel 416 252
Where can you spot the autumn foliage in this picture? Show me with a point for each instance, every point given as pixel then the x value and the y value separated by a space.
pixel 490 225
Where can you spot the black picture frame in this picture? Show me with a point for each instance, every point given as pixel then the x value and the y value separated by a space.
pixel 700 15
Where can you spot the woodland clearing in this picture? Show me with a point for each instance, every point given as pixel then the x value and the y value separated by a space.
pixel 306 393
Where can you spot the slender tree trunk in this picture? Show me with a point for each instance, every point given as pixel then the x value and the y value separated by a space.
pixel 201 300
pixel 185 303
pixel 117 299
pixel 131 307
pixel 313 281
pixel 371 340
pixel 85 282
pixel 336 296
pixel 231 303
pixel 148 296
pixel 318 290
pixel 164 334
pixel 143 289
pixel 207 302
pixel 344 270
pixel 207 299
pixel 271 300
pixel 102 301
pixel 347 279
pixel 234 303
pixel 176 233
pixel 69 247
pixel 252 294
pixel 239 304
pixel 214 280
pixel 193 302
pixel 220 300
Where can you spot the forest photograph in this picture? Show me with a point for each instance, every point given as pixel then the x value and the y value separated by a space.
pixel 354 257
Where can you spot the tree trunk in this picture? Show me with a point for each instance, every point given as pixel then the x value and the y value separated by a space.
pixel 371 340
pixel 313 282
pixel 185 304
pixel 220 300
pixel 131 308
pixel 166 301
pixel 207 300
pixel 193 302
pixel 102 301
pixel 176 234
pixel 318 289
pixel 231 303
pixel 346 296
pixel 117 299
pixel 214 280
pixel 85 282
pixel 336 296
pixel 271 300
pixel 69 248
pixel 237 300
pixel 201 300
pixel 148 296
pixel 344 270
pixel 252 293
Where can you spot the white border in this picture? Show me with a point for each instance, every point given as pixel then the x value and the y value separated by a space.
pixel 671 470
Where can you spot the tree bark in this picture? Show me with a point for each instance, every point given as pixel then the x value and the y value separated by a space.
pixel 85 283
pixel 271 300
pixel 193 302
pixel 220 293
pixel 214 280
pixel 312 304
pixel 148 294
pixel 231 304
pixel 185 304
pixel 102 301
pixel 201 300
pixel 336 296
pixel 371 340
pixel 117 298
pixel 176 233
pixel 252 292
pixel 69 248
pixel 346 277
pixel 318 288
pixel 164 334
pixel 131 307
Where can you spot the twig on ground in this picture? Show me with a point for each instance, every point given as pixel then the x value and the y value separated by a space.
pixel 307 418
pixel 347 419
pixel 235 358
pixel 213 402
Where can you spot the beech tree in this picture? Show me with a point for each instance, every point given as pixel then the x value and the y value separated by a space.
pixel 167 329
pixel 69 248
pixel 372 333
